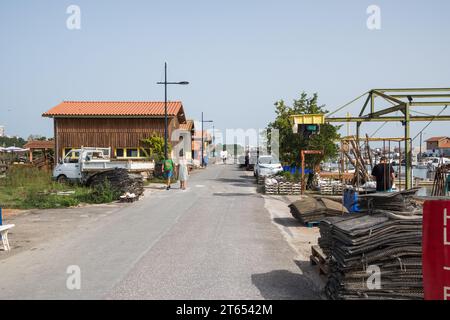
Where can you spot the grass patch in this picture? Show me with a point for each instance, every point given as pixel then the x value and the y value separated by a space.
pixel 27 188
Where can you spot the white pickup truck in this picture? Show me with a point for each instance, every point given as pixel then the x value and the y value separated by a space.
pixel 80 164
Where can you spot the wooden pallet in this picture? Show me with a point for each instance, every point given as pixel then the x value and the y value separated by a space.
pixel 319 259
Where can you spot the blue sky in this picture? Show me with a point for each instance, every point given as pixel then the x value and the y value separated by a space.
pixel 240 56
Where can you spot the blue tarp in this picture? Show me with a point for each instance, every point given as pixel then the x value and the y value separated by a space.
pixel 293 170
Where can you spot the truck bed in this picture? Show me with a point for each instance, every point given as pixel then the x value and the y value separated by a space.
pixel 95 166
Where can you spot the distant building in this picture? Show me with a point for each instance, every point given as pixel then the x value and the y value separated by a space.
pixel 439 145
pixel 2 131
pixel 119 125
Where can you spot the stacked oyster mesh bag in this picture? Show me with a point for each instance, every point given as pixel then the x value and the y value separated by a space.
pixel 386 238
pixel 309 210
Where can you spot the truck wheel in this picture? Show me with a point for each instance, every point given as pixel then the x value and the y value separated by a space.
pixel 61 179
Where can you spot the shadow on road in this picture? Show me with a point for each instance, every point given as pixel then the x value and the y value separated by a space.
pixel 284 285
pixel 239 182
pixel 234 194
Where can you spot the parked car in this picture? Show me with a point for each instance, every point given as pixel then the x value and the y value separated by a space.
pixel 267 166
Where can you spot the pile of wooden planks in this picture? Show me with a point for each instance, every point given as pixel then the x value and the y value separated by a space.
pixel 441 185
pixel 356 158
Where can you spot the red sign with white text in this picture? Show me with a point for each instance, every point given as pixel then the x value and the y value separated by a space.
pixel 436 249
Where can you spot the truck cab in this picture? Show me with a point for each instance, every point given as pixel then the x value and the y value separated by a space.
pixel 70 167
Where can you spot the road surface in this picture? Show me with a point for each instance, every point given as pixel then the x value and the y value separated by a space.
pixel 213 241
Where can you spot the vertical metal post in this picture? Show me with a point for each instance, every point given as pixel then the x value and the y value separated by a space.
pixel 372 102
pixel 165 111
pixel 408 169
pixel 202 142
pixel 400 165
pixel 358 127
pixel 303 171
pixel 420 152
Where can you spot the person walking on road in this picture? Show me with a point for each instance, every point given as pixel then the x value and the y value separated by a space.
pixel 224 156
pixel 168 168
pixel 183 172
pixel 384 175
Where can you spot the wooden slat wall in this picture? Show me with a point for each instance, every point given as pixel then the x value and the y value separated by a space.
pixel 104 132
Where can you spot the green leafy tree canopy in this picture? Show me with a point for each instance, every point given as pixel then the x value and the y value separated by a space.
pixel 292 143
pixel 156 146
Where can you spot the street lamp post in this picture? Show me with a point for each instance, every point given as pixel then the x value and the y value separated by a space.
pixel 165 83
pixel 203 121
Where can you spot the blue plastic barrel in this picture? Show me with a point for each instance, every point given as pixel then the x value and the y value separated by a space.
pixel 351 200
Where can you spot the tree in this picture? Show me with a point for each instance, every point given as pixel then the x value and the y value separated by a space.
pixel 12 141
pixel 156 146
pixel 291 143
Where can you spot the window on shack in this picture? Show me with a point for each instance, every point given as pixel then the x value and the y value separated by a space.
pixel 132 153
pixel 120 152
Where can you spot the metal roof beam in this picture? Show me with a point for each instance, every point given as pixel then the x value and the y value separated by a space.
pixel 430 104
pixel 387 119
pixel 387 97
pixel 404 96
pixel 388 110
pixel 415 90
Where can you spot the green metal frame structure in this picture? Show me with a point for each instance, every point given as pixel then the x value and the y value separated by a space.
pixel 402 100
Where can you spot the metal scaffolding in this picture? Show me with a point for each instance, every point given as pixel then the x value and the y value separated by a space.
pixel 402 100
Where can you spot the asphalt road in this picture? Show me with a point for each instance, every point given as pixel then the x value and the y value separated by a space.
pixel 213 241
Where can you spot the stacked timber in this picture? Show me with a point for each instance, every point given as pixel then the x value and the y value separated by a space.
pixel 441 185
pixel 120 181
pixel 376 255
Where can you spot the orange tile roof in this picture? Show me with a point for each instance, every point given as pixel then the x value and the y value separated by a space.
pixel 187 126
pixel 114 109
pixel 436 139
pixel 38 144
